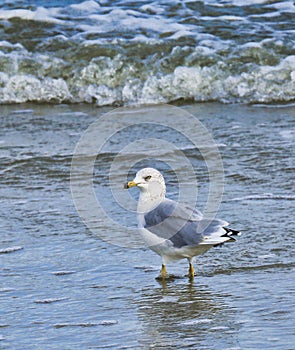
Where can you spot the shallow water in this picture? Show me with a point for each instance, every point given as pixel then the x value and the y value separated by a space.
pixel 62 287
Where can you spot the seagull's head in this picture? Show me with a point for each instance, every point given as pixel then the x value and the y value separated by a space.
pixel 149 180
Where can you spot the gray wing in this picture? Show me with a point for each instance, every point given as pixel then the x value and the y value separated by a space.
pixel 181 226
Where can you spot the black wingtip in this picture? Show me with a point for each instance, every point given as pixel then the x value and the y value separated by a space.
pixel 230 232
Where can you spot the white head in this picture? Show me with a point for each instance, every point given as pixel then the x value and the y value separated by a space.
pixel 152 187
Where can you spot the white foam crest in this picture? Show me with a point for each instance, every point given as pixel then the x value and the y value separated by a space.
pixel 3 78
pixel 283 6
pixel 267 15
pixel 22 88
pixel 132 20
pixel 152 8
pixel 6 44
pixel 224 18
pixel 264 84
pixel 215 44
pixel 144 39
pixel 247 3
pixel 251 45
pixel 265 196
pixel 41 14
pixel 86 6
pixel 10 250
pixel 101 94
pixel 286 67
pixel 180 34
pixel 107 81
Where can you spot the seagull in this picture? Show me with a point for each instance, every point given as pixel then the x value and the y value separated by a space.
pixel 172 230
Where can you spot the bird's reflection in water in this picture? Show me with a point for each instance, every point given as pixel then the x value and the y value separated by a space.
pixel 179 313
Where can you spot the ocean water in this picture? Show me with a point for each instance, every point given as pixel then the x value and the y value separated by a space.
pixel 64 286
pixel 129 53
pixel 69 284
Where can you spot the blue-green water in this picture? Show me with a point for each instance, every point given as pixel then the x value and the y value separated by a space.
pixel 62 287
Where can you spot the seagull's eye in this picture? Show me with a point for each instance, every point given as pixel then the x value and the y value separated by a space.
pixel 147 178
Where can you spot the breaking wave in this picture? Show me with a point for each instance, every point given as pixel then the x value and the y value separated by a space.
pixel 120 53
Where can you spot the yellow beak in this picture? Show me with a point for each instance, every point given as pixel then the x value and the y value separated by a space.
pixel 130 184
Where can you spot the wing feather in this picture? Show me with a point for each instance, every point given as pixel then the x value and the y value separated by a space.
pixel 179 224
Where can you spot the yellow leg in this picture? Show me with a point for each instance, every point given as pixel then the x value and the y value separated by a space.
pixel 163 271
pixel 191 271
